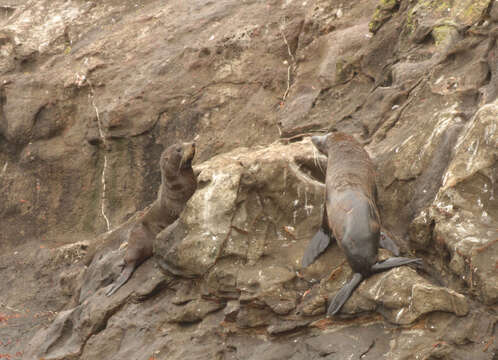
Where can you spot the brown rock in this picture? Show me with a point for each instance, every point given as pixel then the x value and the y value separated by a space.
pixel 193 311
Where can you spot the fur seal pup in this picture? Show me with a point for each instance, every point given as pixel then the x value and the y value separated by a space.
pixel 178 184
pixel 350 214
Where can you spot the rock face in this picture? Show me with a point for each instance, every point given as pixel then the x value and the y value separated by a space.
pixel 248 199
pixel 91 93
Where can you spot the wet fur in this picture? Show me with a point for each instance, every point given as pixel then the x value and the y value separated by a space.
pixel 350 214
pixel 178 184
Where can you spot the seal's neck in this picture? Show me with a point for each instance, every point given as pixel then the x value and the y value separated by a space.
pixel 177 186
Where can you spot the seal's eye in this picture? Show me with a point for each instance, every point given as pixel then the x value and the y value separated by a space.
pixel 178 149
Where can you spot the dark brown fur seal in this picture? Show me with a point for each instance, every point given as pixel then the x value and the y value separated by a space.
pixel 178 184
pixel 350 214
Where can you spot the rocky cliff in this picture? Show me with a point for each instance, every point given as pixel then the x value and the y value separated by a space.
pixel 91 92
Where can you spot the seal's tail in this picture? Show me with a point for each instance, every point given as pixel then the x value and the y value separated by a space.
pixel 343 295
pixel 122 279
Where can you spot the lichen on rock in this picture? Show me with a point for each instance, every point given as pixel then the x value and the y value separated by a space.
pixel 83 84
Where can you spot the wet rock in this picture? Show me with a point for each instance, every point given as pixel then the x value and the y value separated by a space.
pixel 313 302
pixel 58 341
pixel 187 291
pixel 88 86
pixel 335 65
pixel 101 272
pixel 420 230
pixel 402 296
pixel 269 285
pixel 211 225
pixel 365 342
pixel 193 311
pixel 426 14
pixel 465 207
pixel 383 12
pixel 251 317
pixel 441 337
pixel 272 351
pixel 67 335
pixel 287 326
pixel 231 310
pixel 476 147
pixel 71 280
pixel 247 202
pixel 280 301
pixel 222 280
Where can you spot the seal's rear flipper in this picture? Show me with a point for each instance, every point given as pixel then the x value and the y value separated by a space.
pixel 394 262
pixel 387 243
pixel 343 295
pixel 317 245
pixel 122 279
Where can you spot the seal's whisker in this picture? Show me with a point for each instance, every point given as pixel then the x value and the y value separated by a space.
pixel 316 160
pixel 182 162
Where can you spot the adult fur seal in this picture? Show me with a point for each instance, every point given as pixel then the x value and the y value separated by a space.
pixel 350 213
pixel 178 184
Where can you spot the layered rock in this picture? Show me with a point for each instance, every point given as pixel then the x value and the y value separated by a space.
pixel 91 93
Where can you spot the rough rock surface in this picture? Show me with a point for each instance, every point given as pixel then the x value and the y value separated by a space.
pixel 91 92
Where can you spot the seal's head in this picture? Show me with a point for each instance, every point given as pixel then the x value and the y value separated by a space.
pixel 177 157
pixel 325 142
pixel 320 142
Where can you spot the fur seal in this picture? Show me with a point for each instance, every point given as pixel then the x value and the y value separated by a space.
pixel 178 184
pixel 350 214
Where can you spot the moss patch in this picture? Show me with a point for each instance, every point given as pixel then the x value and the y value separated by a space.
pixel 441 33
pixel 462 12
pixel 382 13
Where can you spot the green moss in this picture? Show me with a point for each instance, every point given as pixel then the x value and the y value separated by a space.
pixel 463 12
pixel 441 33
pixel 473 12
pixel 388 4
pixel 375 23
pixel 409 24
pixel 439 6
pixel 383 12
pixel 343 70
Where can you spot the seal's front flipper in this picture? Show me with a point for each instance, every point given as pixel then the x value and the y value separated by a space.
pixel 387 243
pixel 394 262
pixel 317 245
pixel 343 295
pixel 122 279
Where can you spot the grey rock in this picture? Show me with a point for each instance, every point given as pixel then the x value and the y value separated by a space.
pixel 193 311
pixel 287 326
pixel 402 296
pixel 251 317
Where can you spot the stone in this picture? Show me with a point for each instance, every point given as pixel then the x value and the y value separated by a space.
pixel 402 297
pixel 193 311
pixel 252 317
pixel 287 326
pixel 92 92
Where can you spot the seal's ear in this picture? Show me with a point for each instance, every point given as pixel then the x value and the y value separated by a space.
pixel 319 142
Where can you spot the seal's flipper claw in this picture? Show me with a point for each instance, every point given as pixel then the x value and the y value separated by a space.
pixel 394 262
pixel 387 243
pixel 122 279
pixel 343 295
pixel 317 245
